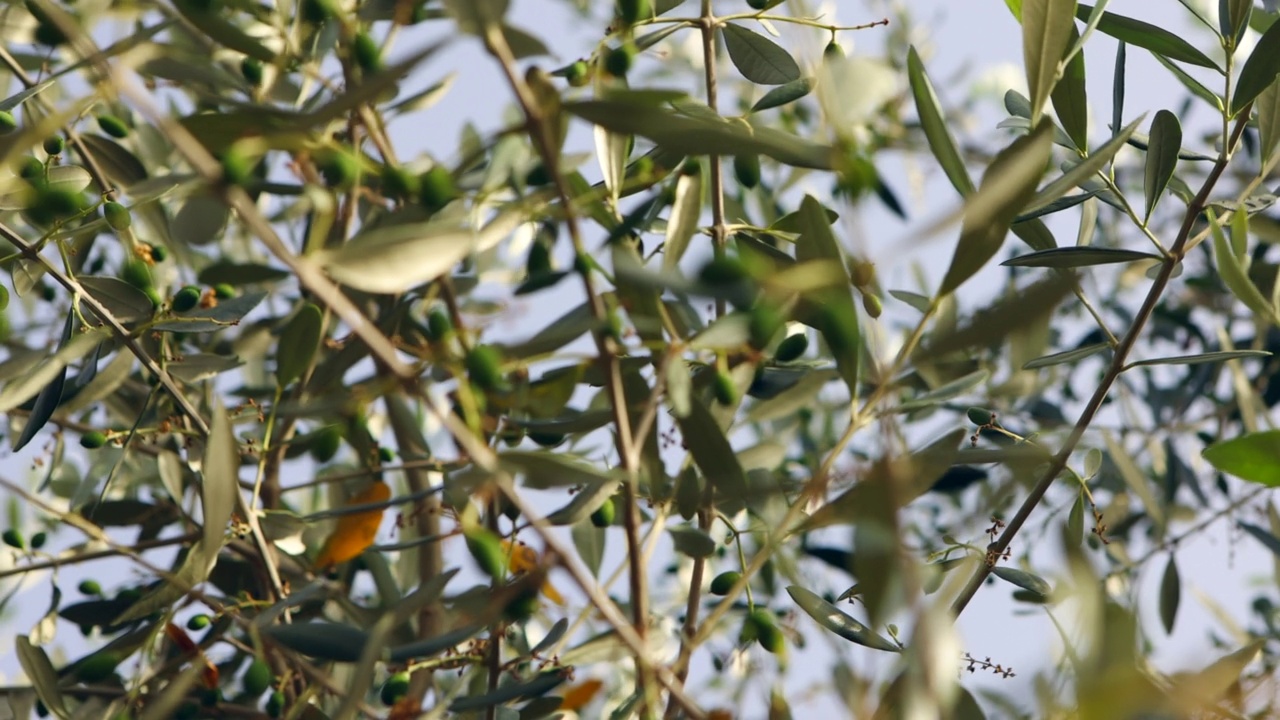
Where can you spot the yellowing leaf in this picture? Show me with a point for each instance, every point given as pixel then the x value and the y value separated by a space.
pixel 521 559
pixel 576 696
pixel 355 532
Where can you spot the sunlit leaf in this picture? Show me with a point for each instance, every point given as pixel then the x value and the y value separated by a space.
pixel 686 209
pixel 1254 457
pixel 1235 277
pixel 1070 99
pixel 35 663
pixel 1047 27
pixel 397 258
pixel 935 127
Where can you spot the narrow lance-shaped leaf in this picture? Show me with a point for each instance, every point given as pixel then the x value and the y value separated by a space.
pixel 397 258
pixel 758 58
pixel 1254 457
pixel 220 470
pixel 1068 356
pixel 1148 36
pixel 1023 579
pixel 1170 594
pixel 35 663
pixel 611 151
pixel 1117 89
pixel 1047 27
pixel 832 618
pixel 1162 156
pixel 1268 539
pixel 1070 97
pixel 1234 275
pixel 1233 19
pixel 1268 106
pixel 1083 171
pixel 783 94
pixel 935 127
pixel 1007 185
pixel 298 344
pixel 838 319
pixel 683 222
pixel 1193 85
pixel 1201 358
pixel 1259 71
pixel 1076 256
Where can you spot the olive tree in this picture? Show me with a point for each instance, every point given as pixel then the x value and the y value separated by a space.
pixel 599 408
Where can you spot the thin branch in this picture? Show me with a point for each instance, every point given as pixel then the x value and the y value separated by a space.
pixel 1176 253
pixel 541 131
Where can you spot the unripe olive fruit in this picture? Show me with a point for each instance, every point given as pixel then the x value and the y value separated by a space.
pixel 578 74
pixel 484 366
pixel 725 391
pixel 747 169
pixel 398 183
pixel 617 61
pixel 792 347
pixel 93 439
pixel 367 54
pixel 324 445
pixel 252 70
pixel 113 126
pixel 437 188
pixel 604 515
pixel 486 550
pixel 395 688
pixel 257 678
pixel 724 582
pixel 117 215
pixel 137 274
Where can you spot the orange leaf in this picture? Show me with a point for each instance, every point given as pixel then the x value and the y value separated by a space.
pixel 355 532
pixel 579 695
pixel 521 559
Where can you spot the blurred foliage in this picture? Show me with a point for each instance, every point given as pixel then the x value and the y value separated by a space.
pixel 519 430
